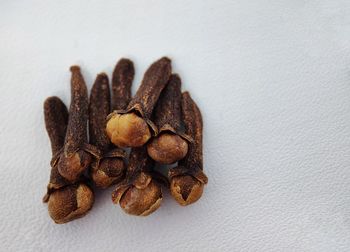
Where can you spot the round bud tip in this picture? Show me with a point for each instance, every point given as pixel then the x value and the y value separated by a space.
pixel 186 189
pixel 167 148
pixel 74 68
pixel 128 130
pixel 142 202
pixel 70 203
pixel 102 75
pixel 165 59
pixel 110 171
pixel 71 167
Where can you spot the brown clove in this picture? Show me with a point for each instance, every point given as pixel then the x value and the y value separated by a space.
pixel 139 194
pixel 187 180
pixel 170 145
pixel 66 202
pixel 70 203
pixel 108 168
pixel 76 155
pixel 56 119
pixel 132 127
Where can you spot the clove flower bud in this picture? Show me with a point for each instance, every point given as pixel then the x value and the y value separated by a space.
pixel 187 180
pixel 76 155
pixel 132 127
pixel 139 194
pixel 110 167
pixel 170 145
pixel 66 201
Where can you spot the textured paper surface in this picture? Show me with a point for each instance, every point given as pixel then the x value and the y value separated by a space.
pixel 272 79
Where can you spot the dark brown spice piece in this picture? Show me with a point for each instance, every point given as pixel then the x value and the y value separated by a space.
pixel 123 76
pixel 139 194
pixel 132 127
pixel 170 145
pixel 76 135
pixel 76 155
pixel 56 119
pixel 187 179
pixel 70 202
pixel 66 202
pixel 99 108
pixel 109 167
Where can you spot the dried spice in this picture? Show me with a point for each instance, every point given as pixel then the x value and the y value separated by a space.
pixel 151 123
pixel 70 203
pixel 170 145
pixel 139 194
pixel 56 119
pixel 187 180
pixel 122 78
pixel 109 168
pixel 132 127
pixel 66 202
pixel 76 155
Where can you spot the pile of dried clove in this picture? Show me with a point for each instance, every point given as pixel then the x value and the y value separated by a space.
pixel 160 124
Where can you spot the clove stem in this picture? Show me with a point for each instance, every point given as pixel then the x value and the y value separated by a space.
pixel 123 76
pixel 99 108
pixel 56 119
pixel 154 81
pixel 78 113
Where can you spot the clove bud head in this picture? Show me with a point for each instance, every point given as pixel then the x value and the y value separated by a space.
pixel 70 203
pixel 72 166
pixel 186 189
pixel 141 202
pixel 141 198
pixel 109 171
pixel 128 130
pixel 167 148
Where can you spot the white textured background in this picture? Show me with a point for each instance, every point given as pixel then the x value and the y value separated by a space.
pixel 272 78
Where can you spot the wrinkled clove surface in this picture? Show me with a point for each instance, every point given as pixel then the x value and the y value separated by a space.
pixel 66 202
pixel 109 168
pixel 56 119
pixel 75 158
pixel 170 145
pixel 139 194
pixel 70 203
pixel 187 180
pixel 132 127
pixel 122 78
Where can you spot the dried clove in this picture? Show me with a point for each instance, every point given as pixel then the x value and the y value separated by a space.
pixel 76 155
pixel 132 127
pixel 139 194
pixel 66 202
pixel 70 203
pixel 56 119
pixel 187 180
pixel 109 168
pixel 170 145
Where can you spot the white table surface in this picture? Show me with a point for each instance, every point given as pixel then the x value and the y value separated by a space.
pixel 272 78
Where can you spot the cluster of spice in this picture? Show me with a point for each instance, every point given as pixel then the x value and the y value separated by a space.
pixel 160 124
